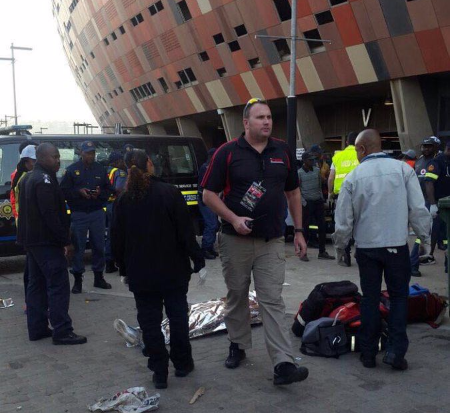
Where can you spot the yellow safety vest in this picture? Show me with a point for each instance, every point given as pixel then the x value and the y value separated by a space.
pixel 344 162
pixel 111 180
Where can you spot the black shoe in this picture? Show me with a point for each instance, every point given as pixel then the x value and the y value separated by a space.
pixel 208 255
pixel 325 256
pixel 110 267
pixel 368 362
pixel 160 381
pixel 78 284
pixel 395 362
pixel 69 339
pixel 47 334
pixel 185 371
pixel 287 373
pixel 235 356
pixel 441 246
pixel 416 273
pixel 100 282
pixel 213 251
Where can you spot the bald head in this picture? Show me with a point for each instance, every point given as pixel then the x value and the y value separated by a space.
pixel 47 155
pixel 367 142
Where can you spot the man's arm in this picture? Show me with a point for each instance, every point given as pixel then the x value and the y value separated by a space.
pixel 294 200
pixel 344 218
pixel 429 188
pixel 331 182
pixel 418 215
pixel 213 201
pixel 67 186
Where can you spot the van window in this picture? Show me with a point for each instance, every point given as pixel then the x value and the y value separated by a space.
pixel 173 160
pixel 9 157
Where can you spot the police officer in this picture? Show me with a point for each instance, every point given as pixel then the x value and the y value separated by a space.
pixel 343 163
pixel 437 185
pixel 44 231
pixel 87 189
pixel 117 176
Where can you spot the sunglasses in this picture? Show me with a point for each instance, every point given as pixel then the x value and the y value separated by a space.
pixel 252 101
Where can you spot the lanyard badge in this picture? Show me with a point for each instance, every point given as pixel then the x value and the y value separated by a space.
pixel 253 196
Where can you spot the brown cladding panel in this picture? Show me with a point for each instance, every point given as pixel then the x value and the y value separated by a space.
pixel 409 54
pixel 231 91
pixel 319 5
pixel 446 35
pixel 269 90
pixel 300 86
pixel 391 59
pixel 434 50
pixel 325 70
pixel 330 31
pixel 303 8
pixel 377 18
pixel 343 67
pixel 347 26
pixel 442 8
pixel 306 23
pixel 422 15
pixel 363 20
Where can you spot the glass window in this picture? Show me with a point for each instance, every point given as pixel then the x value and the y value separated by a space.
pixel 9 157
pixel 172 160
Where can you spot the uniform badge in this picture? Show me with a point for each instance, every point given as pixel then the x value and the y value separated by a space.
pixel 431 168
pixel 6 210
pixel 122 174
pixel 77 173
pixel 47 179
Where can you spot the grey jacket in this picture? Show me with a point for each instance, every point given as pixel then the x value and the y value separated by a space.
pixel 377 201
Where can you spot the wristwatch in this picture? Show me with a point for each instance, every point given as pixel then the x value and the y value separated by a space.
pixel 299 230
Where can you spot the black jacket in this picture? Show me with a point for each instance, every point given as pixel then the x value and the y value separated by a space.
pixel 78 176
pixel 43 216
pixel 153 239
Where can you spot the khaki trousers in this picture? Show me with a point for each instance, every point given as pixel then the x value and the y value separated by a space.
pixel 240 257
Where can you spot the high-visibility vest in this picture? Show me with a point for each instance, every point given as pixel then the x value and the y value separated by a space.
pixel 111 179
pixel 344 162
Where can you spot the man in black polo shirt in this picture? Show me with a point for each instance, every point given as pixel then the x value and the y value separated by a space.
pixel 256 174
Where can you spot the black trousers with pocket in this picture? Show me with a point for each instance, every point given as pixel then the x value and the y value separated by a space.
pixel 150 314
pixel 395 265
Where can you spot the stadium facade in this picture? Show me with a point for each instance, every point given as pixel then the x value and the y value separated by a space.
pixel 187 67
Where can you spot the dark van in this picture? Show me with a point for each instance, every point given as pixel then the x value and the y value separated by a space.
pixel 176 159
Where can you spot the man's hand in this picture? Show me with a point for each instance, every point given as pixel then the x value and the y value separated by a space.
pixel 300 244
pixel 69 250
pixel 240 227
pixel 340 255
pixel 84 192
pixel 330 201
pixel 434 210
pixel 95 194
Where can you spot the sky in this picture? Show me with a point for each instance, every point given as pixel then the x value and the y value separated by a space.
pixel 45 87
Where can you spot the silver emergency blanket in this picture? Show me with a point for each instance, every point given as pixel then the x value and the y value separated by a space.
pixel 131 335
pixel 208 317
pixel 132 400
pixel 6 302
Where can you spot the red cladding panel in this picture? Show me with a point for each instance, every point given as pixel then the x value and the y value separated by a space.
pixel 433 50
pixel 346 23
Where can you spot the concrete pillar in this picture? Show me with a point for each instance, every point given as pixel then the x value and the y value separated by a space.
pixel 156 129
pixel 187 127
pixel 413 123
pixel 232 122
pixel 309 131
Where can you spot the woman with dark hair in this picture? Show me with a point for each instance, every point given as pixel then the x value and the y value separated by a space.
pixel 152 240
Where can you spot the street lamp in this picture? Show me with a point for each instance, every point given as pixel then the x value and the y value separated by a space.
pixel 291 99
pixel 12 60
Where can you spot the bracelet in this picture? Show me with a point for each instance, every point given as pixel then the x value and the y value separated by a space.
pixel 299 230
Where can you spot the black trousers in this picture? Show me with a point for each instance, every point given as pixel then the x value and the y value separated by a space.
pixel 149 307
pixel 48 292
pixel 394 263
pixel 314 211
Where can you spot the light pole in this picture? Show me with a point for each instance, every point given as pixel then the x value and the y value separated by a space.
pixel 12 60
pixel 291 99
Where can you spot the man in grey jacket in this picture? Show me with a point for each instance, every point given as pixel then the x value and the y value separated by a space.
pixel 377 202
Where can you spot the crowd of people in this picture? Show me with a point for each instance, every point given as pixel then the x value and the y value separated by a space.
pixel 248 183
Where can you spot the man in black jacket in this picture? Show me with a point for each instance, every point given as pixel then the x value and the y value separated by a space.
pixel 43 230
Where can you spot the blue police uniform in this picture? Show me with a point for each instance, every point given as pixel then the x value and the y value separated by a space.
pixel 87 214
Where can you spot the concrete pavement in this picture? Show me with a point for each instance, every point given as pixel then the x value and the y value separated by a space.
pixel 39 377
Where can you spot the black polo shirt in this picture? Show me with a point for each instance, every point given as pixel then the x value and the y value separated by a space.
pixel 438 171
pixel 236 165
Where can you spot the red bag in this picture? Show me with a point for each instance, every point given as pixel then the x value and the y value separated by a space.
pixel 426 307
pixel 348 314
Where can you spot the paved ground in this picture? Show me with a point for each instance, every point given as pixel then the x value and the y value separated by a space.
pixel 39 377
